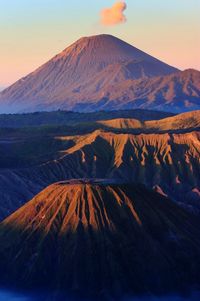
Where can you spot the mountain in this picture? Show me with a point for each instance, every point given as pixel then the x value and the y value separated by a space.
pixel 100 239
pixel 79 78
pixel 178 92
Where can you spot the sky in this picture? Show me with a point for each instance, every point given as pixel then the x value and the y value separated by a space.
pixel 33 31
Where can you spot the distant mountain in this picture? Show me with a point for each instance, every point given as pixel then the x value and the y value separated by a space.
pixel 95 239
pixel 80 78
pixel 178 92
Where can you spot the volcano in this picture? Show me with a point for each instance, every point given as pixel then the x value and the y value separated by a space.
pixel 97 238
pixel 79 77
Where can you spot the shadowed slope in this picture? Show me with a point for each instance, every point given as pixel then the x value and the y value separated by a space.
pixel 95 238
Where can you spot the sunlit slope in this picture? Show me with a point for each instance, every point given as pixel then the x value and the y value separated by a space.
pixel 122 123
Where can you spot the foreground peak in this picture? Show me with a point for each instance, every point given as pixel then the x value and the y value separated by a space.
pixel 67 233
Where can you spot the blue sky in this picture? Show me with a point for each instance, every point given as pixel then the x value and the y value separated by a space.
pixel 32 31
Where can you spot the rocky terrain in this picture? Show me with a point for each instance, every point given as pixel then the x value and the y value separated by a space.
pixel 163 155
pixel 101 239
pixel 170 161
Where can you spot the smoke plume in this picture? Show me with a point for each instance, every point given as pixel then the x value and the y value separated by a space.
pixel 114 15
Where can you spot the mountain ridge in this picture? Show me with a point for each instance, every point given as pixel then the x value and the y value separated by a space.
pixel 178 92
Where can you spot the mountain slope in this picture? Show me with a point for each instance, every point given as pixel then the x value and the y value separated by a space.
pixel 76 77
pixel 98 239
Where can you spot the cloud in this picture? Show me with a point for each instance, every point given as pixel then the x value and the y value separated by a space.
pixel 114 15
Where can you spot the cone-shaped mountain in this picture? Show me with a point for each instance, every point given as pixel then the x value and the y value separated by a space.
pixel 78 78
pixel 97 238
